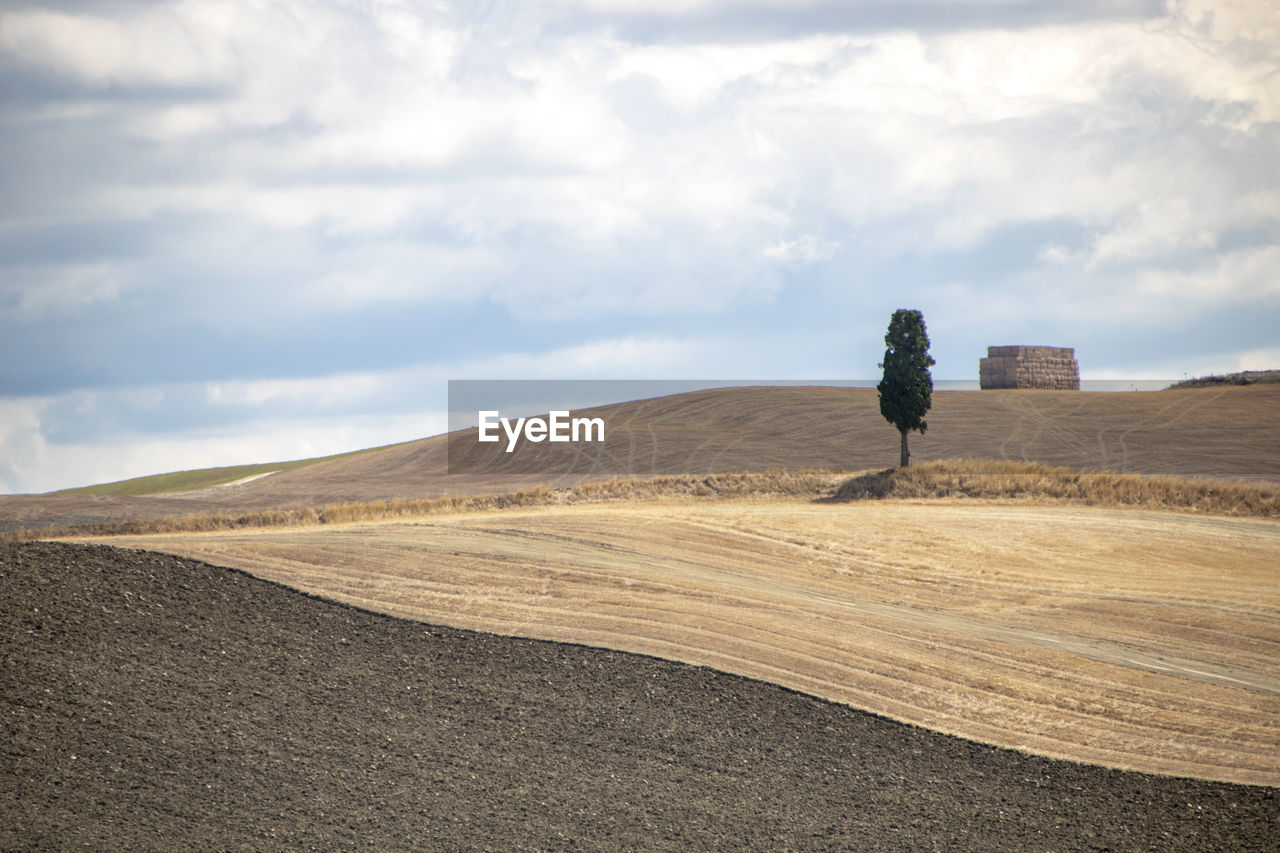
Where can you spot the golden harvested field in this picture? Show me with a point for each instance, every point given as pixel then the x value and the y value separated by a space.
pixel 1130 638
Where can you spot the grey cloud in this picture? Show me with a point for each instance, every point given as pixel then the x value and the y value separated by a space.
pixel 746 21
pixel 23 86
pixel 218 294
pixel 86 417
pixel 70 242
pixel 101 7
pixel 193 409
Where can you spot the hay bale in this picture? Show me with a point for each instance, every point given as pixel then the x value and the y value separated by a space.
pixel 1050 368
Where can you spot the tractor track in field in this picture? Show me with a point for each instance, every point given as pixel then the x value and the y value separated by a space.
pixel 1133 639
pixel 153 702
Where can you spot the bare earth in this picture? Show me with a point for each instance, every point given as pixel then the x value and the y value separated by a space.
pixel 157 703
pixel 1127 638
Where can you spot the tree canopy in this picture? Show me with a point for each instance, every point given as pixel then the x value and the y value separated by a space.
pixel 906 391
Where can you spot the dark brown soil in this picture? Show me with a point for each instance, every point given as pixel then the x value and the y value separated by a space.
pixel 153 703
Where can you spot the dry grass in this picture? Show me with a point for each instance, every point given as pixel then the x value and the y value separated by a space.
pixel 1223 433
pixel 1247 377
pixel 966 478
pixel 1002 479
pixel 1040 606
pixel 741 484
pixel 1118 636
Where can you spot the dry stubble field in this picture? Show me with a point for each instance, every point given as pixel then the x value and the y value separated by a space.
pixel 164 696
pixel 1133 639
pixel 1223 433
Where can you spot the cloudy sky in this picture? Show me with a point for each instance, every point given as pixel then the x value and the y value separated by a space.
pixel 246 230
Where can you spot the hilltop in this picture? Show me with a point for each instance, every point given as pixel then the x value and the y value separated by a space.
pixel 1122 619
pixel 1221 432
pixel 1246 377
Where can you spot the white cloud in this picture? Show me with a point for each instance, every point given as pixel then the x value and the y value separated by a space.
pixel 632 357
pixel 658 6
pixel 1175 370
pixel 1153 228
pixel 32 464
pixel 349 157
pixel 1259 359
pixel 169 44
pixel 805 249
pixel 1242 277
pixel 343 392
pixel 1148 297
pixel 1241 37
pixel 955 134
pixel 84 437
pixel 1055 254
pixel 396 272
pixel 38 291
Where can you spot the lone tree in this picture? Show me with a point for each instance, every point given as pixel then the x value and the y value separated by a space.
pixel 906 391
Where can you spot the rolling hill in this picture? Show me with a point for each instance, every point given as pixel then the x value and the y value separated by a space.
pixel 1225 432
pixel 154 703
pixel 1091 629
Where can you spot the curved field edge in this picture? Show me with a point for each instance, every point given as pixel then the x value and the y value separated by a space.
pixel 201 704
pixel 955 478
pixel 1122 637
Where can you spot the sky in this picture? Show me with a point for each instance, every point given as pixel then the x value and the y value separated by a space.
pixel 238 231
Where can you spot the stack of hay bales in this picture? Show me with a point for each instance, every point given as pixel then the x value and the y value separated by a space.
pixel 1052 368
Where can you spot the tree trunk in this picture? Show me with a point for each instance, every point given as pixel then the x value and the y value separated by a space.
pixel 906 455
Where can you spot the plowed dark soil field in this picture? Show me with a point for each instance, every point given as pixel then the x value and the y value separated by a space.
pixel 158 703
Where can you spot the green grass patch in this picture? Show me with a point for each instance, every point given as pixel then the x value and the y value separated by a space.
pixel 200 478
